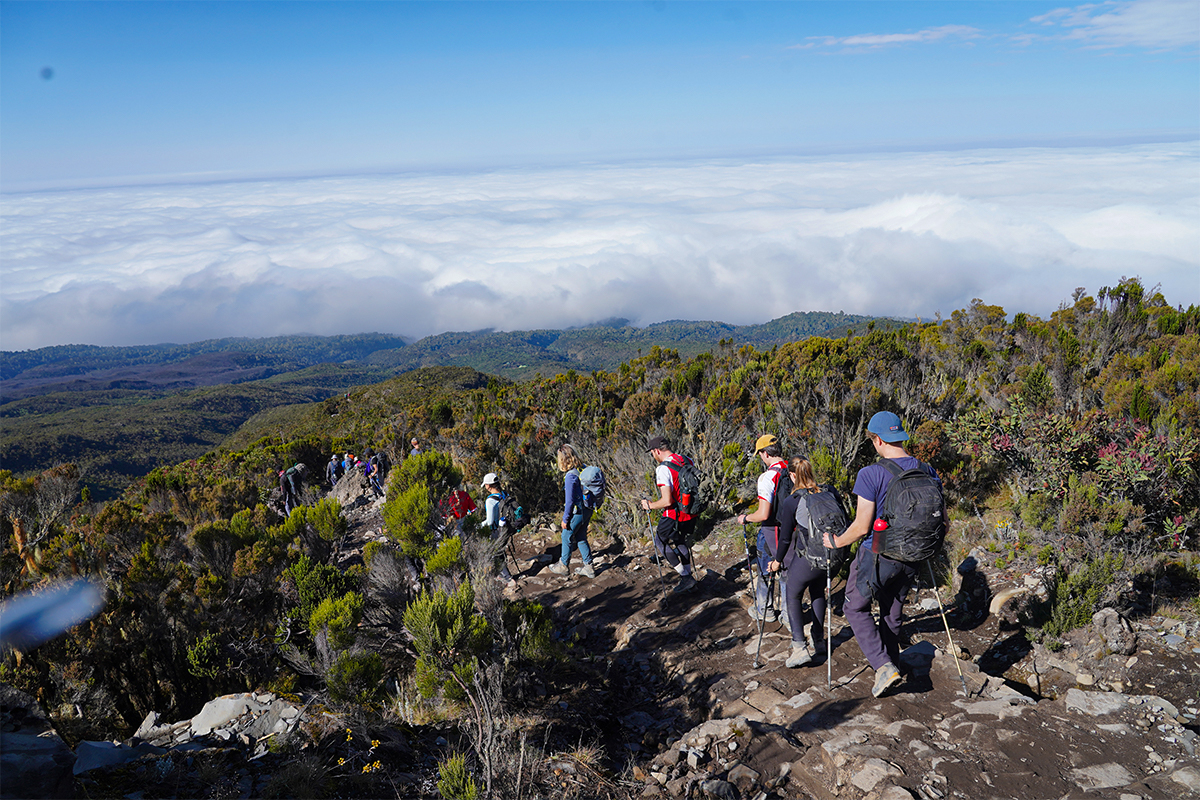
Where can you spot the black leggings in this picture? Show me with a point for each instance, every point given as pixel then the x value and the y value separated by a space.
pixel 802 575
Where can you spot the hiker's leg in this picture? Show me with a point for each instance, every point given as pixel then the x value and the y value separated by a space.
pixel 682 551
pixel 797 573
pixel 858 613
pixel 816 594
pixel 565 558
pixel 891 611
pixel 579 526
pixel 500 538
pixel 664 534
pixel 760 591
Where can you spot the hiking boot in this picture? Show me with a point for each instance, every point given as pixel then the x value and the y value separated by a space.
pixel 586 571
pixel 770 616
pixel 886 677
pixel 686 583
pixel 800 656
pixel 558 568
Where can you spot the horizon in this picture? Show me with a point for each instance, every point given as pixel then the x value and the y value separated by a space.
pixel 192 171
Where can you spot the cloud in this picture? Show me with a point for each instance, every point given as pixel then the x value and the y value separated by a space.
pixel 1152 24
pixel 877 40
pixel 897 234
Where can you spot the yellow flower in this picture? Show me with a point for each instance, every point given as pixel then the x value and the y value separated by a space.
pixel 374 743
pixel 341 762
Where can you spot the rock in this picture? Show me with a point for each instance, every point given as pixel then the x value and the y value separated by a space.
pixel 718 790
pixel 94 755
pixel 896 793
pixel 744 778
pixel 223 710
pixel 872 772
pixel 34 761
pixel 1188 778
pixel 1102 776
pixel 1095 704
pixel 1116 631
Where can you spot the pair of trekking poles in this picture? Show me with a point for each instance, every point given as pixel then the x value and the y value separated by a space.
pixel 770 598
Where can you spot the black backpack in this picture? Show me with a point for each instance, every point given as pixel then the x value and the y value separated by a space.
pixel 783 488
pixel 913 509
pixel 820 513
pixel 687 485
pixel 512 513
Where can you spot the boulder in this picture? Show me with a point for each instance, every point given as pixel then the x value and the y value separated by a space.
pixel 34 761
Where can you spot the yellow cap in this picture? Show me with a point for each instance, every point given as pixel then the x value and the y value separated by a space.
pixel 766 440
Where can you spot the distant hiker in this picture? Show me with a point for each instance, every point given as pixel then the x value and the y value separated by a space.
pixel 676 524
pixel 802 574
pixel 416 448
pixel 874 575
pixel 371 471
pixel 334 470
pixel 455 506
pixel 578 507
pixel 494 519
pixel 291 483
pixel 774 484
pixel 383 464
pixel 349 462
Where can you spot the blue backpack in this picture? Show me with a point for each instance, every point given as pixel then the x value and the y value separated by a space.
pixel 594 485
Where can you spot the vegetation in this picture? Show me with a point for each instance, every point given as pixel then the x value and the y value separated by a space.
pixel 1076 437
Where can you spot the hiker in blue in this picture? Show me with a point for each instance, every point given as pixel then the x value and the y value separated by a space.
pixel 767 448
pixel 577 512
pixel 888 580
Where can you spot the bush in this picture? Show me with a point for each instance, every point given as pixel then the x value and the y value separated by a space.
pixel 339 618
pixel 447 558
pixel 1077 595
pixel 449 637
pixel 455 781
pixel 204 658
pixel 355 677
pixel 315 583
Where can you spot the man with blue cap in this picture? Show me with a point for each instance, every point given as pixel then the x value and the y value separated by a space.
pixel 873 575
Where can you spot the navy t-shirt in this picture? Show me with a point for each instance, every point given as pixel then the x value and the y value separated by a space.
pixel 873 481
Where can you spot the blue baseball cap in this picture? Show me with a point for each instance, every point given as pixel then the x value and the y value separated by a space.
pixel 887 426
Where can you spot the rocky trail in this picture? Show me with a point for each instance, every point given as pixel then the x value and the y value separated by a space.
pixel 665 684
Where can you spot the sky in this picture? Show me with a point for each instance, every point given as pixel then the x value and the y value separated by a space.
pixel 182 171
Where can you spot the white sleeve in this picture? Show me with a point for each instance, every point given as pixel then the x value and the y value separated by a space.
pixel 664 477
pixel 766 485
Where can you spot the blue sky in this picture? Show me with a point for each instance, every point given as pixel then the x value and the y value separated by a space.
pixel 1007 137
pixel 148 89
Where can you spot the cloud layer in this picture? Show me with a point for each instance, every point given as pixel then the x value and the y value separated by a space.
pixel 897 234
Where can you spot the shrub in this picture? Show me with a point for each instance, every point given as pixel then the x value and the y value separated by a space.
pixel 447 558
pixel 528 624
pixel 204 658
pixel 454 779
pixel 355 677
pixel 339 618
pixel 1077 595
pixel 449 637
pixel 315 583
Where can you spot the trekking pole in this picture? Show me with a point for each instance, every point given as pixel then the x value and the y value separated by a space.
pixel 953 649
pixel 657 557
pixel 828 625
pixel 750 565
pixel 762 618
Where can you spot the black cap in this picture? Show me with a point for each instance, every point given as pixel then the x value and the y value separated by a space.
pixel 656 443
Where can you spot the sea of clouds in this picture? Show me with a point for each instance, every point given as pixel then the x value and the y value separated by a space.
pixel 909 235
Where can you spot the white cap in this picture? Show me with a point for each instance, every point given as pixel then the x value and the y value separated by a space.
pixel 490 479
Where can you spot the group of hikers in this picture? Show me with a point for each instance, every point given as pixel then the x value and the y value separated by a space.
pixel 803 537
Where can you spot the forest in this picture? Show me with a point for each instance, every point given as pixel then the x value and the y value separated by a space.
pixel 1070 443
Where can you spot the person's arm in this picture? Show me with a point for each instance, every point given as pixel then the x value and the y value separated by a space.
pixel 573 494
pixel 663 501
pixel 787 526
pixel 760 514
pixel 861 526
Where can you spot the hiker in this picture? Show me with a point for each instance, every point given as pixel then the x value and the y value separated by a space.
pixel 887 579
pixel 675 525
pixel 416 448
pixel 371 471
pixel 774 478
pixel 455 506
pixel 348 462
pixel 801 574
pixel 291 482
pixel 498 525
pixel 334 470
pixel 577 512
